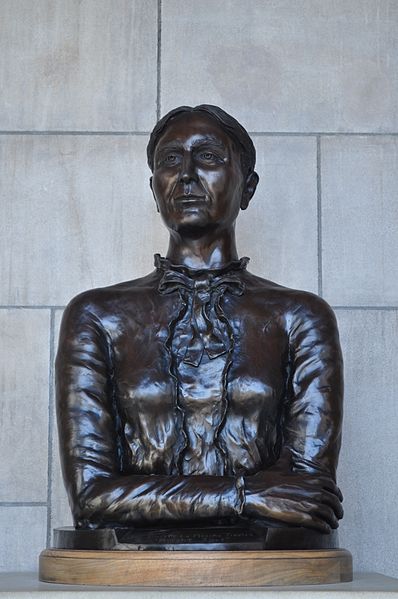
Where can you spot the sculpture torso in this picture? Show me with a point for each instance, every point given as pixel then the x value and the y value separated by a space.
pixel 221 415
pixel 162 399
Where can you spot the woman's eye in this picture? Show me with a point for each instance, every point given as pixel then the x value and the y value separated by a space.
pixel 208 156
pixel 167 160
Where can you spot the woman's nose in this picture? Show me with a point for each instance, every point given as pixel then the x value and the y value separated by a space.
pixel 188 171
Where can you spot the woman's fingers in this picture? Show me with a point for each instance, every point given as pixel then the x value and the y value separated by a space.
pixel 297 499
pixel 331 486
pixel 325 497
pixel 317 524
pixel 302 514
pixel 308 494
pixel 326 514
pixel 295 515
pixel 324 482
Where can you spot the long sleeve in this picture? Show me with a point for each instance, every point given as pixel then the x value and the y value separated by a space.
pixel 299 489
pixel 312 424
pixel 99 493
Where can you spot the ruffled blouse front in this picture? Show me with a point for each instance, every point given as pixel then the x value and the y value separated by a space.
pixel 201 346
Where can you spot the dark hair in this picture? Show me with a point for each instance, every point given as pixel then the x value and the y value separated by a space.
pixel 227 122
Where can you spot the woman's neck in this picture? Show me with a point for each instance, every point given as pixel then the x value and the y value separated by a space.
pixel 203 251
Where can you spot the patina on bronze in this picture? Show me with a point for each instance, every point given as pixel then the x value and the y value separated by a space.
pixel 201 395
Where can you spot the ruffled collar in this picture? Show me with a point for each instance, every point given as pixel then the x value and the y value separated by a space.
pixel 200 324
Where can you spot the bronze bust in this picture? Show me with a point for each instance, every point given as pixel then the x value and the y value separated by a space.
pixel 201 394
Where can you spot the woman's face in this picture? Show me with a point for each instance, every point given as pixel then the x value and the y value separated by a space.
pixel 197 178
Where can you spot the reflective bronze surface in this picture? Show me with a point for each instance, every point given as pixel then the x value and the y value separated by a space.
pixel 200 393
pixel 214 538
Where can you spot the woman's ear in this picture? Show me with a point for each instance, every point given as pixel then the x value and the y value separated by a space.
pixel 249 189
pixel 151 186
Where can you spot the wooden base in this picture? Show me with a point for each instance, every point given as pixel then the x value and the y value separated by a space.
pixel 195 568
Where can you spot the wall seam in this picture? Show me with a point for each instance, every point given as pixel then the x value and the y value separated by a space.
pixel 23 504
pixel 34 307
pixel 337 307
pixel 55 132
pixel 327 133
pixel 258 133
pixel 50 425
pixel 158 62
pixel 319 213
pixel 377 308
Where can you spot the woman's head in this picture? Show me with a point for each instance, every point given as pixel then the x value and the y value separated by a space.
pixel 202 162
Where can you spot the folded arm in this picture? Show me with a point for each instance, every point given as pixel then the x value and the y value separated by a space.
pixel 99 493
pixel 300 489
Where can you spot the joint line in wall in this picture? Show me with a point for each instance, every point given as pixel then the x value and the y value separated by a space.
pixel 319 212
pixel 50 424
pixel 158 62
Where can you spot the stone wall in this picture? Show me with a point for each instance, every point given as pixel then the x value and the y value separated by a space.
pixel 83 82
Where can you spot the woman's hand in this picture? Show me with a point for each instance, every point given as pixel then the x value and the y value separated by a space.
pixel 293 498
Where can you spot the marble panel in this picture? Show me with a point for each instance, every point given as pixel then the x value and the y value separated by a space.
pixel 279 228
pixel 76 212
pixel 78 65
pixel 368 472
pixel 24 358
pixel 283 65
pixel 23 537
pixel 360 220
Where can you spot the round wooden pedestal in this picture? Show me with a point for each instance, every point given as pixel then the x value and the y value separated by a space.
pixel 195 568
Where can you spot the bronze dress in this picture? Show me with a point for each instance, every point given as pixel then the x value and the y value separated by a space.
pixel 175 389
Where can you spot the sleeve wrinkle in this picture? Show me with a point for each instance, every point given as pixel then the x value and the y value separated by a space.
pixel 90 443
pixel 312 428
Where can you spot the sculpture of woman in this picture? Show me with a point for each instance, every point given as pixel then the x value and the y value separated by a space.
pixel 200 392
